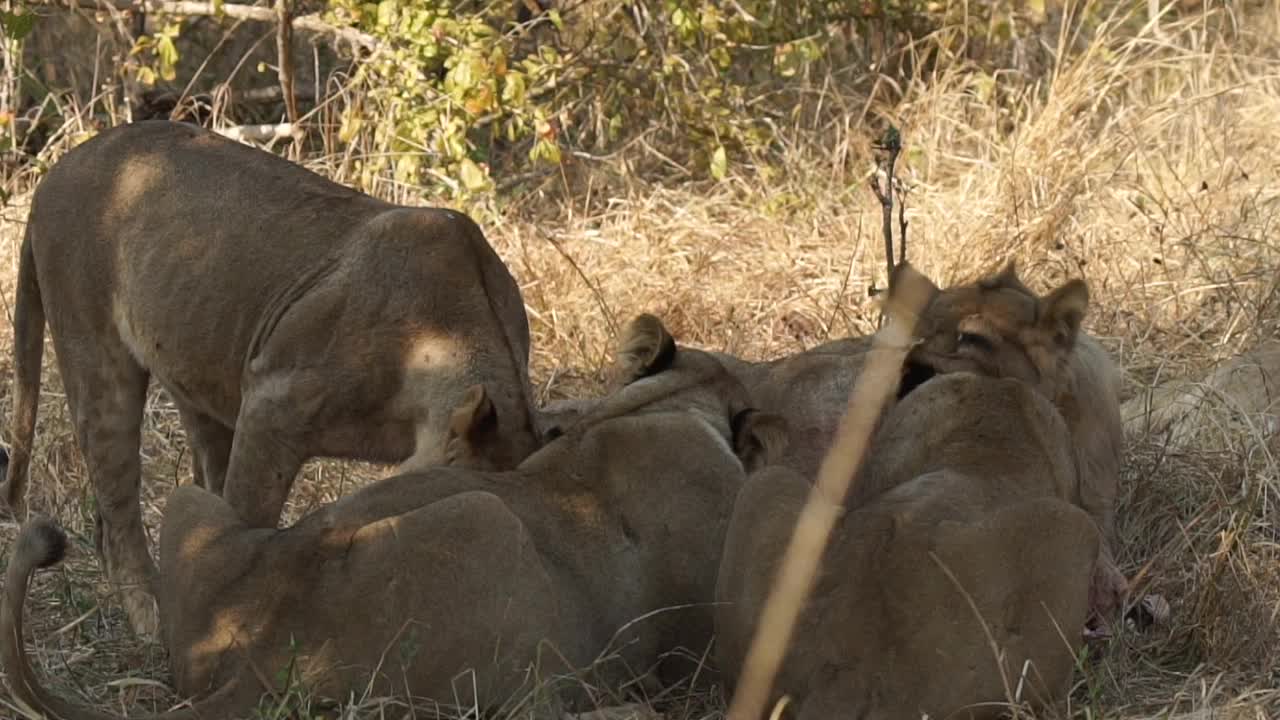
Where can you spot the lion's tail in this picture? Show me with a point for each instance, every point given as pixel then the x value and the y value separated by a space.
pixel 41 544
pixel 28 354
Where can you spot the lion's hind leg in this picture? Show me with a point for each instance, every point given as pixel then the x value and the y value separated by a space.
pixel 106 392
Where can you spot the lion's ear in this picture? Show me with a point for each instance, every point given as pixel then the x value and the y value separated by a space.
pixel 759 438
pixel 1005 277
pixel 1062 311
pixel 646 349
pixel 475 418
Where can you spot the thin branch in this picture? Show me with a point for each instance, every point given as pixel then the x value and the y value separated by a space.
pixel 284 57
pixel 892 143
pixel 902 226
pixel 284 67
pixel 823 507
pixel 194 8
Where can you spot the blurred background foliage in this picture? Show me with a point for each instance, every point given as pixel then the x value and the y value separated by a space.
pixel 463 100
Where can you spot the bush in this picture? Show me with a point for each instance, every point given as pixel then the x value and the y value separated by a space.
pixel 454 90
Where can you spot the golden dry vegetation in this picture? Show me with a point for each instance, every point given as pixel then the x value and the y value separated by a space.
pixel 1146 159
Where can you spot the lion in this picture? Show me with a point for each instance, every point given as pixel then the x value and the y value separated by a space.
pixel 602 545
pixel 287 316
pixel 1238 397
pixel 995 326
pixel 990 326
pixel 950 592
pixel 985 326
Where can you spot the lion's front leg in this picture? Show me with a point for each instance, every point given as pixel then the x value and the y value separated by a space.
pixel 1107 589
pixel 269 449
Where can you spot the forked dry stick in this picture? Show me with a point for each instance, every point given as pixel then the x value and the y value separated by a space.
pixel 891 144
pixel 876 384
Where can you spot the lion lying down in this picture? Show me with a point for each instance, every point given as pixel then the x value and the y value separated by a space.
pixel 977 531
pixel 425 576
pixel 994 326
pixel 1238 397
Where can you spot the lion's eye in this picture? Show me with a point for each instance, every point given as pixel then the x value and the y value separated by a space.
pixel 975 341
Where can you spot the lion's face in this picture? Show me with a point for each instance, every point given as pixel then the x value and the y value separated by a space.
pixel 998 327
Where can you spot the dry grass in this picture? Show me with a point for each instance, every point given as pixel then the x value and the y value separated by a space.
pixel 1145 161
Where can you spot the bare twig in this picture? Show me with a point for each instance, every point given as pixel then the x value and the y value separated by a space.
pixel 902 226
pixel 284 70
pixel 309 23
pixel 877 383
pixel 892 144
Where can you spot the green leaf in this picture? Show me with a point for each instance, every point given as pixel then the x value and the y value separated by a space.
pixel 407 167
pixel 719 163
pixel 556 20
pixel 17 26
pixel 721 57
pixel 461 77
pixel 473 178
pixel 168 54
pixel 351 124
pixel 786 60
pixel 217 8
pixel 513 89
pixel 711 19
pixel 544 150
pixel 386 13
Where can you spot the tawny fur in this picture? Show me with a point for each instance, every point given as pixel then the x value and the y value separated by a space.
pixel 998 327
pixel 1036 339
pixel 975 471
pixel 287 316
pixel 513 575
pixel 1239 397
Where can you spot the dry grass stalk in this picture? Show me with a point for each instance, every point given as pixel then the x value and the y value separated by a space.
pixel 875 386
